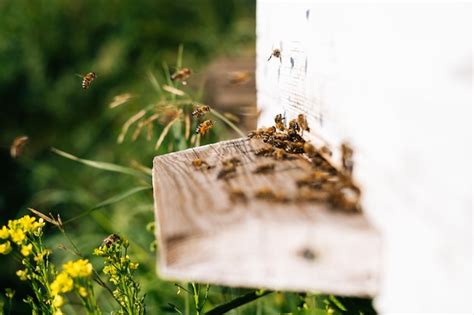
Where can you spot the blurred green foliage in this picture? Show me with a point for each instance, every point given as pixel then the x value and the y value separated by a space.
pixel 43 45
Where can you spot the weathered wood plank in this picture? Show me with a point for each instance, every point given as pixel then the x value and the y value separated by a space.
pixel 206 237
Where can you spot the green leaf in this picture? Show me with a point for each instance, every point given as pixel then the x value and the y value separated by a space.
pixel 110 201
pixel 103 165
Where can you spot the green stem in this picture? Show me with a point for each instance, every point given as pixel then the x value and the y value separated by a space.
pixel 228 122
pixel 241 300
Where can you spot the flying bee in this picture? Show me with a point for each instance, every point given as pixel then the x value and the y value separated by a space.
pixel 302 122
pixel 87 79
pixel 204 127
pixel 275 53
pixel 200 110
pixel 181 75
pixel 240 77
pixel 280 122
pixel 111 240
pixel 17 146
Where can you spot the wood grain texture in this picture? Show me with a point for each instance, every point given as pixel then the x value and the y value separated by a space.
pixel 297 246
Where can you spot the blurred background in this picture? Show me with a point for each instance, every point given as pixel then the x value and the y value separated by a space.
pixel 44 45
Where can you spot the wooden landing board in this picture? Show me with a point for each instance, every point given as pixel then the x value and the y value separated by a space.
pixel 205 237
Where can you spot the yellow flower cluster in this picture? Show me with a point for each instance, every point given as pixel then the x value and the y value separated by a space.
pixel 64 281
pixel 17 231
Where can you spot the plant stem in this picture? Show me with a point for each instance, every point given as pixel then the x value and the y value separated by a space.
pixel 228 122
pixel 241 300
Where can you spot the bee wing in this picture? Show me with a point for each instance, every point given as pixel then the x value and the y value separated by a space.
pixel 80 75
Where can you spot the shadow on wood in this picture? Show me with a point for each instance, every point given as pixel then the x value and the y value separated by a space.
pixel 205 236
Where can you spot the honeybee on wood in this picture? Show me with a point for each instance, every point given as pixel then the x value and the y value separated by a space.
pixel 293 126
pixel 275 53
pixel 325 150
pixel 181 75
pixel 17 146
pixel 265 151
pixel 279 154
pixel 111 240
pixel 199 164
pixel 204 127
pixel 200 110
pixel 237 195
pixel 346 157
pixel 87 79
pixel 229 168
pixel 264 168
pixel 280 122
pixel 302 122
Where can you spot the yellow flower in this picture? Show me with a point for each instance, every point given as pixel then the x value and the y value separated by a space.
pixel 4 233
pixel 5 248
pixel 40 256
pixel 133 266
pixel 22 274
pixel 82 291
pixel 78 268
pixel 109 270
pixel 58 312
pixel 58 301
pixel 62 284
pixel 26 249
pixel 98 251
pixel 17 236
pixel 26 222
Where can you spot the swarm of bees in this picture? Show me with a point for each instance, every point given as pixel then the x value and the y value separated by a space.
pixel 204 127
pixel 326 183
pixel 275 53
pixel 87 80
pixel 17 146
pixel 181 75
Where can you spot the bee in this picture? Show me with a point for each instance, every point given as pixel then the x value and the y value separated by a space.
pixel 302 122
pixel 87 80
pixel 293 126
pixel 181 75
pixel 229 168
pixel 325 150
pixel 280 154
pixel 204 127
pixel 309 149
pixel 266 151
pixel 199 164
pixel 111 240
pixel 265 193
pixel 237 195
pixel 280 122
pixel 275 53
pixel 346 157
pixel 240 77
pixel 200 110
pixel 17 146
pixel 264 168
